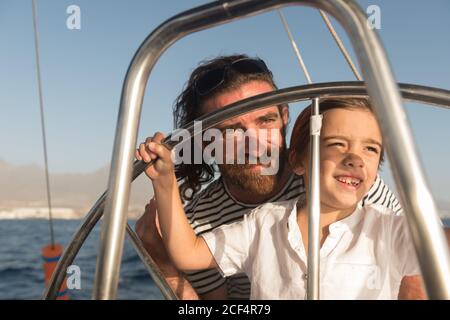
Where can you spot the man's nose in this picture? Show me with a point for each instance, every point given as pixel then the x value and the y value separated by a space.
pixel 353 160
pixel 250 141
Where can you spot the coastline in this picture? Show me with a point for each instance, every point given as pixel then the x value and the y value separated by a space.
pixel 59 213
pixel 41 213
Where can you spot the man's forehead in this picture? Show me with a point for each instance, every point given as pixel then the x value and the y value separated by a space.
pixel 251 116
pixel 244 91
pixel 247 90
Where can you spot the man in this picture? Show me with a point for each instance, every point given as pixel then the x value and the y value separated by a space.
pixel 241 187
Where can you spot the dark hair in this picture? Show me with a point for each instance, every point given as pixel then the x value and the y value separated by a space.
pixel 299 145
pixel 188 107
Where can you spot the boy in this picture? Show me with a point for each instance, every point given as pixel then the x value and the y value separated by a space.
pixel 365 251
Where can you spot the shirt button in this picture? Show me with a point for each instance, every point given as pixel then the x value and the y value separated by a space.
pixel 305 276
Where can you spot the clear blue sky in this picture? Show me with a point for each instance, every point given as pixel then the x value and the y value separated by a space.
pixel 83 71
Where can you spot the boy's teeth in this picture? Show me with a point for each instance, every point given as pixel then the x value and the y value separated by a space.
pixel 349 181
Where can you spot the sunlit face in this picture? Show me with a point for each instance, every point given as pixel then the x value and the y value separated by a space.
pixel 249 175
pixel 350 152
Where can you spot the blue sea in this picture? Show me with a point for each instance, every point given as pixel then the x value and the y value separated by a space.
pixel 21 274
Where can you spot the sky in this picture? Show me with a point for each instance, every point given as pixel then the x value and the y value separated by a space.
pixel 83 71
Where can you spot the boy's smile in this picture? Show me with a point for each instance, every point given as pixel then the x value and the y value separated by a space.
pixel 349 182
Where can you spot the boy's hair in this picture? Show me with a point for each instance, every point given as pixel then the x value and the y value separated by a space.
pixel 300 138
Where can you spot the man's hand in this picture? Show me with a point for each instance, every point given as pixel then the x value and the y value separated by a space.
pixel 147 228
pixel 411 288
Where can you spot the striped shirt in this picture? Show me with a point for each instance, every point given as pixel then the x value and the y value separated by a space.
pixel 215 206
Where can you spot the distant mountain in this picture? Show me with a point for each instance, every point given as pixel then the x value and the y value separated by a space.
pixel 24 186
pixel 443 204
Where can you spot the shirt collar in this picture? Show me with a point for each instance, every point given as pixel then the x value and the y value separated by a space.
pixel 350 221
pixel 294 236
pixel 347 223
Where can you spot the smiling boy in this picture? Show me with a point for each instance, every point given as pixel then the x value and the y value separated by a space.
pixel 365 251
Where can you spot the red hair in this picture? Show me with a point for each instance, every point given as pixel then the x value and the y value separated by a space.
pixel 299 146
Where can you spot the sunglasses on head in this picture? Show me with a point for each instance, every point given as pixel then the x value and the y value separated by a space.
pixel 212 79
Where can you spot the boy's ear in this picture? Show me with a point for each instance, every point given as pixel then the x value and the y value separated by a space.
pixel 296 165
pixel 285 114
pixel 299 170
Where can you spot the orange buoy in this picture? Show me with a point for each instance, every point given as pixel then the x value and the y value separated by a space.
pixel 51 254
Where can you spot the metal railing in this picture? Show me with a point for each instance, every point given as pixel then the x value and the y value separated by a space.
pixel 428 95
pixel 414 193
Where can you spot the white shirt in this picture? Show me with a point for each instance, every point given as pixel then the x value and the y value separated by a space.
pixel 216 206
pixel 365 255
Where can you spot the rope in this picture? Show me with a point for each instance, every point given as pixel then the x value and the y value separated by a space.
pixel 336 38
pixel 312 287
pixel 294 46
pixel 41 104
pixel 340 45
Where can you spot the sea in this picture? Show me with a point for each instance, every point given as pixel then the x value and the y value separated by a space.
pixel 21 274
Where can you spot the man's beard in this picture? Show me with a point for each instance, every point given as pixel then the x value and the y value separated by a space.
pixel 243 177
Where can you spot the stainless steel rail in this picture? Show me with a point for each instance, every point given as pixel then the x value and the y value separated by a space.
pixel 151 266
pixel 415 93
pixel 413 189
pixel 313 272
